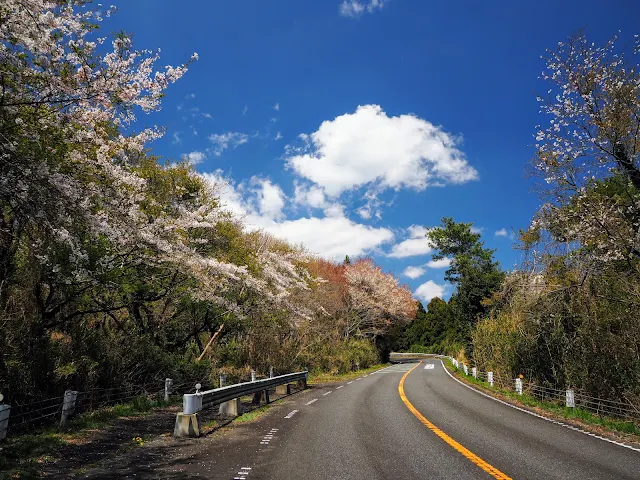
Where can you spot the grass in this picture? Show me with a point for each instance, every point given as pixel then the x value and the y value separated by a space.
pixel 21 456
pixel 556 410
pixel 324 377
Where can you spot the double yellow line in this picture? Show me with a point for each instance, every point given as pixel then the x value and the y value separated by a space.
pixel 450 441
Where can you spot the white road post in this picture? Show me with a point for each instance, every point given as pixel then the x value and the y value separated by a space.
pixel 466 370
pixel 474 372
pixel 490 378
pixel 571 399
pixel 4 418
pixel 519 386
pixel 168 385
pixel 270 372
pixel 223 379
pixel 68 406
pixel 253 375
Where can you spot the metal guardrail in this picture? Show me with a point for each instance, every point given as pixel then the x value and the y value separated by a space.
pixel 194 402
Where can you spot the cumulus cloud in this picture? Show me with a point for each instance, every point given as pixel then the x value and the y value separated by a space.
pixel 222 141
pixel 355 8
pixel 413 272
pixel 270 199
pixel 443 263
pixel 370 148
pixel 194 157
pixel 332 236
pixel 276 107
pixel 429 290
pixel 416 244
pixel 278 136
pixel 176 140
pixel 502 233
pixel 311 196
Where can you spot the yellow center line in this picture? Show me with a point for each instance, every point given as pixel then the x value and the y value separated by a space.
pixel 450 441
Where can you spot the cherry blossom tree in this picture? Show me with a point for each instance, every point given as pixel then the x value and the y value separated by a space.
pixel 587 155
pixel 376 299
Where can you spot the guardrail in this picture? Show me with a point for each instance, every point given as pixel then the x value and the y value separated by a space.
pixel 228 397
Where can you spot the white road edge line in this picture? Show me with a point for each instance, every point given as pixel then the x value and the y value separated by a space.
pixel 562 424
pixel 339 387
pixel 349 383
pixel 326 393
pixel 314 400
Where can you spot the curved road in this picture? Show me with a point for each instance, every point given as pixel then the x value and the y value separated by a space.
pixel 364 430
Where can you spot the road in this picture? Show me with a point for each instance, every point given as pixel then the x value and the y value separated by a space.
pixel 364 429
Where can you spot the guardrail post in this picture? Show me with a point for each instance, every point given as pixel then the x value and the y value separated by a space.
pixel 519 386
pixel 571 399
pixel 474 372
pixel 466 370
pixel 490 378
pixel 231 408
pixel 187 421
pixel 4 418
pixel 168 385
pixel 68 406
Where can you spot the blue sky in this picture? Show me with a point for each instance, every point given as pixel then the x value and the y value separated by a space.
pixel 351 125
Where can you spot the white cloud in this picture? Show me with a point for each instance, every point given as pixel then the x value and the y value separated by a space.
pixel 502 233
pixel 443 263
pixel 429 290
pixel 364 212
pixel 416 244
pixel 194 157
pixel 278 136
pixel 207 115
pixel 417 231
pixel 477 229
pixel 245 110
pixel 270 199
pixel 276 107
pixel 411 248
pixel 413 272
pixel 222 141
pixel 355 8
pixel 176 140
pixel 190 96
pixel 368 147
pixel 332 236
pixel 310 196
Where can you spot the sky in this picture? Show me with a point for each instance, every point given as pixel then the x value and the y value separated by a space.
pixel 352 126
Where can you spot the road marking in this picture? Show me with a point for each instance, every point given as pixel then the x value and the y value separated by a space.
pixel 429 366
pixel 291 414
pixel 565 425
pixel 358 378
pixel 450 441
pixel 349 383
pixel 326 393
pixel 339 387
pixel 314 400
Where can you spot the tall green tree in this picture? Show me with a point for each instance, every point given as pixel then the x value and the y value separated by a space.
pixel 473 271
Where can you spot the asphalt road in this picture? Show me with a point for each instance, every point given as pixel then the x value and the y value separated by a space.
pixel 364 430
